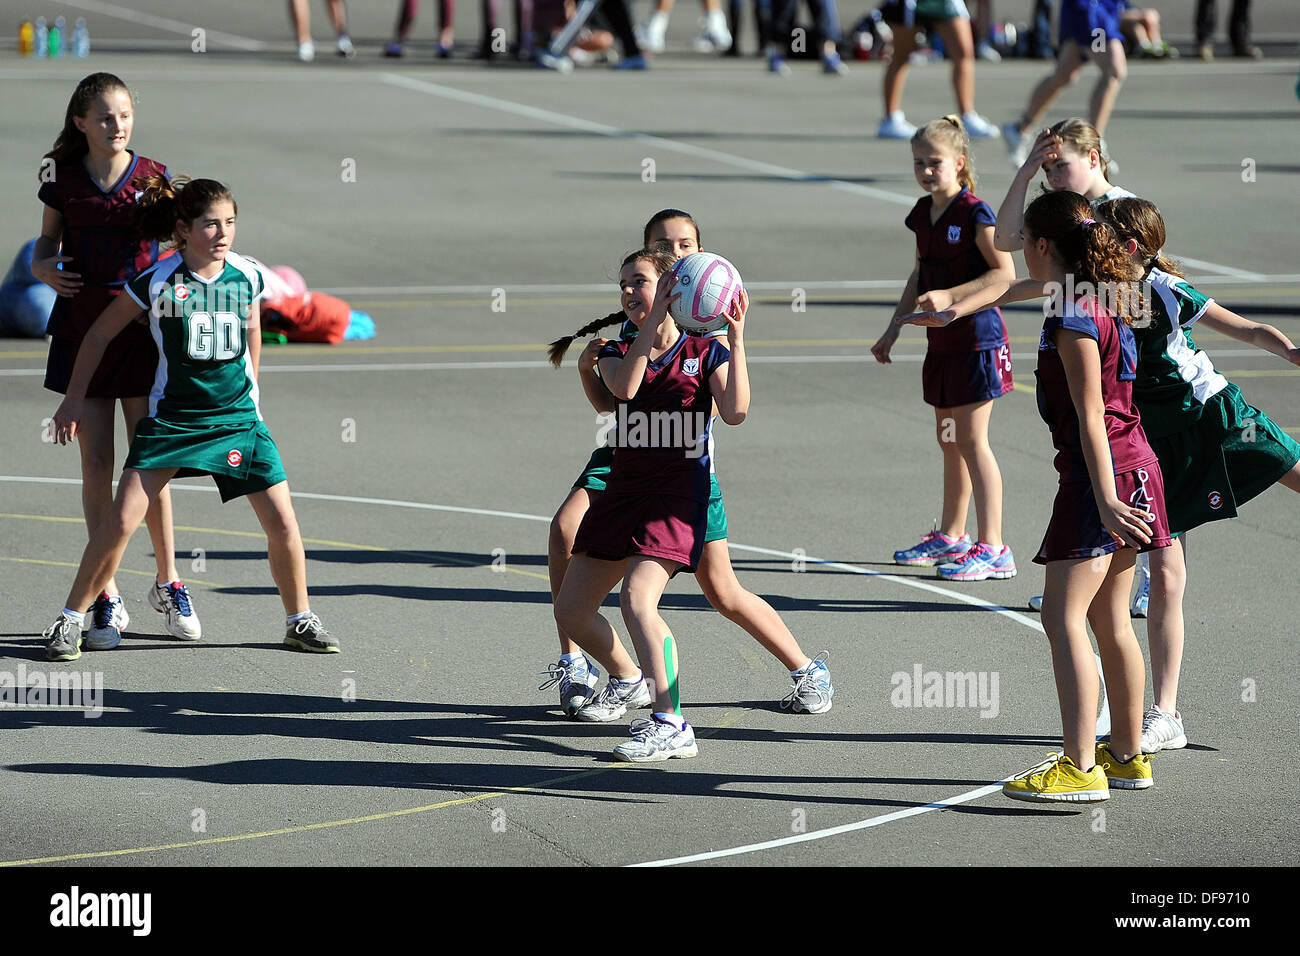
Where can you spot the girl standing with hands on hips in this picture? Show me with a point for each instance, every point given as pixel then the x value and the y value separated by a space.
pixel 204 418
pixel 1110 501
pixel 967 365
pixel 88 249
pixel 650 521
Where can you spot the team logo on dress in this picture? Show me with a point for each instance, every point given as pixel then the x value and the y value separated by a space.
pixel 954 233
pixel 1215 500
pixel 234 458
pixel 691 367
pixel 182 293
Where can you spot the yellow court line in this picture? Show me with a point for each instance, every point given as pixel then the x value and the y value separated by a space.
pixel 321 541
pixel 206 585
pixel 1022 387
pixel 726 721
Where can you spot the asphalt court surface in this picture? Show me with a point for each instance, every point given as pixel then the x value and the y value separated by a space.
pixel 426 534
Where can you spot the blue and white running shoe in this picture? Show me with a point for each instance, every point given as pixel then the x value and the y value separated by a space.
pixel 935 548
pixel 979 564
pixel 813 690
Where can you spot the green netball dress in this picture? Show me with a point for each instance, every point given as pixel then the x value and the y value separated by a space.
pixel 1216 450
pixel 203 413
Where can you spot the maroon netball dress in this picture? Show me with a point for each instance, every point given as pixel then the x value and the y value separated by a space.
pixel 657 498
pixel 1076 529
pixel 968 361
pixel 100 237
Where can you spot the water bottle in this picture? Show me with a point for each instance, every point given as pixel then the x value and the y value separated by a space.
pixel 80 39
pixel 41 38
pixel 56 37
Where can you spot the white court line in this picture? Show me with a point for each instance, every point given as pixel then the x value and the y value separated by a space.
pixel 667 145
pixel 856 358
pixel 1235 277
pixel 563 289
pixel 833 831
pixel 164 23
pixel 687 149
pixel 754 847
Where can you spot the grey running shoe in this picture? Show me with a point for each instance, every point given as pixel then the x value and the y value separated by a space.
pixel 654 739
pixel 577 680
pixel 615 701
pixel 1162 731
pixel 812 690
pixel 309 634
pixel 62 639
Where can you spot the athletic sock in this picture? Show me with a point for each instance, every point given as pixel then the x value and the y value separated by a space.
pixel 631 680
pixel 675 719
pixel 295 618
pixel 796 673
pixel 78 616
pixel 570 658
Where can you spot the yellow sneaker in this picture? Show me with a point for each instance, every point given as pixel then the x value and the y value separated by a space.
pixel 1056 780
pixel 1134 775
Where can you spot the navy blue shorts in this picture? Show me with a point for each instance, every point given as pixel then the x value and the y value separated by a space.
pixel 1076 531
pixel 1080 19
pixel 954 379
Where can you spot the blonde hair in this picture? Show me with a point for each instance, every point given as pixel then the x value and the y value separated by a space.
pixel 1082 137
pixel 951 134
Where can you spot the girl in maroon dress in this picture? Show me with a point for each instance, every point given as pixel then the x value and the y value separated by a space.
pixel 88 249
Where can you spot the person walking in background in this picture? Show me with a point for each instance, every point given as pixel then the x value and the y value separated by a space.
pixel 301 18
pixel 951 20
pixel 1238 30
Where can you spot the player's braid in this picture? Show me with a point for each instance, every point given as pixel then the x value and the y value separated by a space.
pixel 555 351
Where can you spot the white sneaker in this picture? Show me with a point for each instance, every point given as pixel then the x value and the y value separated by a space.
pixel 655 739
pixel 1018 144
pixel 345 47
pixel 546 61
pixel 1036 603
pixel 1162 731
pixel 985 51
pixel 577 680
pixel 651 35
pixel 107 619
pixel 615 700
pixel 307 51
pixel 174 601
pixel 977 126
pixel 715 37
pixel 895 126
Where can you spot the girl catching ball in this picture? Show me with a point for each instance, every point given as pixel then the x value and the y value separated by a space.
pixel 650 521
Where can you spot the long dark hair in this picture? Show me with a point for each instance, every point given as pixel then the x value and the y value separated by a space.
pixel 71 143
pixel 1088 249
pixel 662 262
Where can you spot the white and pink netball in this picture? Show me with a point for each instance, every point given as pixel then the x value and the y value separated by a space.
pixel 708 284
